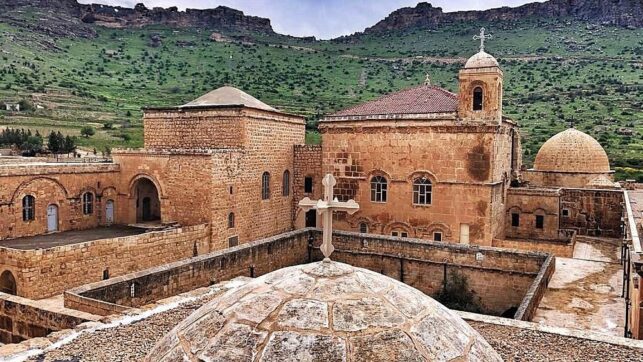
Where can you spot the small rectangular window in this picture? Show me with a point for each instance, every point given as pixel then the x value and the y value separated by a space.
pixel 394 233
pixel 404 235
pixel 565 212
pixel 308 185
pixel 515 219
pixel 540 221
pixel 233 241
pixel 437 236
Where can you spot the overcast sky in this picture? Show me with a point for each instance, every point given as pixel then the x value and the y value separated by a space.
pixel 322 18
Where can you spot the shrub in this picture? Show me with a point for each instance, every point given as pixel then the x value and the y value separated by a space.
pixel 456 294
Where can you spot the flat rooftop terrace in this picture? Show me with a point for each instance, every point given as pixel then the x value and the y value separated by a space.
pixel 70 237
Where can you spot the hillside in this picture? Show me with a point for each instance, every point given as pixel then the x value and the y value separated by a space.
pixel 76 70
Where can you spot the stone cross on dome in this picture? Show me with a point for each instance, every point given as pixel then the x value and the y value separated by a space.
pixel 482 37
pixel 325 208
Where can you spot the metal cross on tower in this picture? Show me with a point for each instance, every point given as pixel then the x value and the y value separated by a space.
pixel 325 208
pixel 482 37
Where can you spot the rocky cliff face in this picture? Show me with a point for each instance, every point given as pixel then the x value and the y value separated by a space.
pixel 220 18
pixel 615 12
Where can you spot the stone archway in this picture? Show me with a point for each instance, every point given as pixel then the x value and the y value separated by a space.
pixel 8 283
pixel 148 203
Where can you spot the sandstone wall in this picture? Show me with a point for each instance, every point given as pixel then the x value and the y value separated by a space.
pixel 308 163
pixel 561 179
pixel 22 318
pixel 462 162
pixel 593 212
pixel 251 259
pixel 560 248
pixel 43 273
pixel 500 278
pixel 193 128
pixel 183 180
pixel 529 203
pixel 54 184
pixel 269 147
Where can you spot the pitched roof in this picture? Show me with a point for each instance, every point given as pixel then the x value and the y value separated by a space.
pixel 416 100
pixel 228 96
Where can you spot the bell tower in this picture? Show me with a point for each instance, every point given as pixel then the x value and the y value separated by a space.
pixel 480 83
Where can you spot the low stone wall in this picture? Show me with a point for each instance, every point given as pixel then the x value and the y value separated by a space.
pixel 22 318
pixel 504 279
pixel 563 249
pixel 501 278
pixel 42 273
pixel 252 259
pixel 530 302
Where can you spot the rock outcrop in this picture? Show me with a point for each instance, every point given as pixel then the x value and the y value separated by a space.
pixel 627 13
pixel 220 18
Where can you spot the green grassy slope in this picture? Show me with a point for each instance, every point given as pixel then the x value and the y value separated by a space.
pixel 555 73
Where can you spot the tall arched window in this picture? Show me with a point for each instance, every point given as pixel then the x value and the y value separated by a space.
pixel 286 184
pixel 363 227
pixel 379 188
pixel 88 203
pixel 422 191
pixel 265 186
pixel 28 208
pixel 477 99
pixel 231 220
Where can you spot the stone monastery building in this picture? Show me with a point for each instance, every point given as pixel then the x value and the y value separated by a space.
pixel 421 163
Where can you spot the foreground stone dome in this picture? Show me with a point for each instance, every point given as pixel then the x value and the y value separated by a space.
pixel 324 311
pixel 572 151
pixel 481 59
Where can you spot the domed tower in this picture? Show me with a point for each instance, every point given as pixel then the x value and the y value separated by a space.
pixel 480 86
pixel 572 158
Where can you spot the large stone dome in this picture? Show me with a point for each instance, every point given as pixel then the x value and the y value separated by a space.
pixel 324 311
pixel 572 151
pixel 481 59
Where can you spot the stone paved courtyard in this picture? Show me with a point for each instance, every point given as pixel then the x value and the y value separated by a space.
pixel 70 237
pixel 585 291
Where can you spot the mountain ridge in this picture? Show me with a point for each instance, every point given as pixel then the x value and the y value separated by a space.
pixel 627 13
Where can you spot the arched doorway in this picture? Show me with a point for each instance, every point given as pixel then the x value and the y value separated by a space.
pixel 52 218
pixel 109 212
pixel 148 204
pixel 8 283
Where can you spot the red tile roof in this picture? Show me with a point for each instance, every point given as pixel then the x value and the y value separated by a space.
pixel 417 100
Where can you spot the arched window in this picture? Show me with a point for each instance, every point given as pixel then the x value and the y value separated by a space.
pixel 265 186
pixel 231 220
pixel 363 227
pixel 286 184
pixel 88 203
pixel 28 208
pixel 379 188
pixel 421 191
pixel 477 99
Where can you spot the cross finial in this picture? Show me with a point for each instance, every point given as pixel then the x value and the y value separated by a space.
pixel 326 207
pixel 427 80
pixel 482 37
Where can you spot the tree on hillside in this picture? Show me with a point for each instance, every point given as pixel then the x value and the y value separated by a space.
pixel 55 142
pixel 87 131
pixel 69 144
